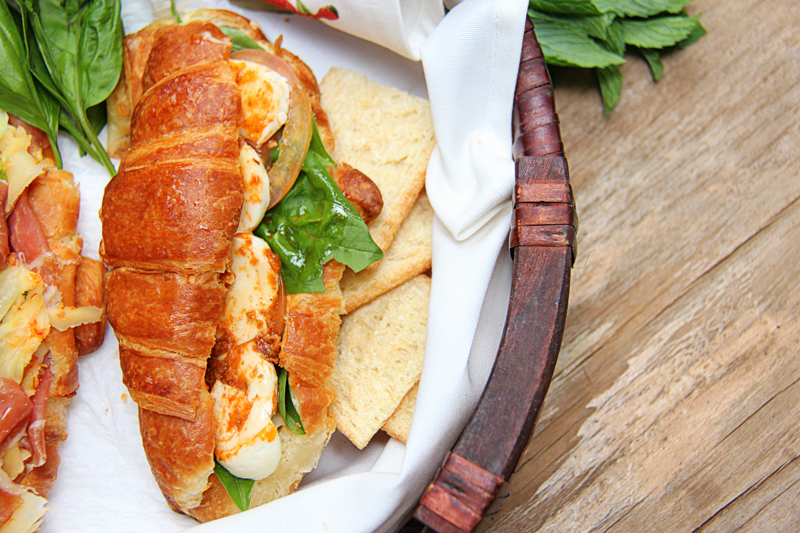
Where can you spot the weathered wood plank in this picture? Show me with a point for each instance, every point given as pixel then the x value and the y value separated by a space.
pixel 684 176
pixel 705 410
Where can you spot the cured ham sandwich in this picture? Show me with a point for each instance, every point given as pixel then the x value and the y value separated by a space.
pixel 228 364
pixel 51 305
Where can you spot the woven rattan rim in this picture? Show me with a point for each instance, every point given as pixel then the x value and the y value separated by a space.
pixel 542 241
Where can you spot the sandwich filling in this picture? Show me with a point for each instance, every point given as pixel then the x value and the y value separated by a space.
pixel 242 374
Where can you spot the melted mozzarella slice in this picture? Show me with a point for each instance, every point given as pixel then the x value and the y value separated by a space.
pixel 256 189
pixel 251 301
pixel 247 442
pixel 265 100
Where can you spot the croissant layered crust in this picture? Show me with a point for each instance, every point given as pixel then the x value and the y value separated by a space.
pixel 169 219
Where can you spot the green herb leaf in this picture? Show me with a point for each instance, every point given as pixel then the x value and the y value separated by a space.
pixel 653 59
pixel 20 93
pixel 595 26
pixel 318 149
pixel 610 79
pixel 238 488
pixel 286 406
pixel 566 7
pixel 658 32
pixel 595 34
pixel 641 8
pixel 81 46
pixel 240 40
pixel 313 224
pixel 695 35
pixel 174 10
pixel 567 44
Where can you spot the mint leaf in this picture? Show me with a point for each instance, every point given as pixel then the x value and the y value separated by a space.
pixel 653 59
pixel 313 224
pixel 567 44
pixel 596 25
pixel 238 488
pixel 695 35
pixel 659 32
pixel 566 7
pixel 641 8
pixel 286 406
pixel 610 79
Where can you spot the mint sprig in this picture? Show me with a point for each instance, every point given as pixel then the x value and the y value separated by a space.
pixel 597 33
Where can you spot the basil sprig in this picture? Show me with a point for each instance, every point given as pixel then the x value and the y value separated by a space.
pixel 315 223
pixel 596 34
pixel 20 93
pixel 238 488
pixel 240 40
pixel 286 408
pixel 63 58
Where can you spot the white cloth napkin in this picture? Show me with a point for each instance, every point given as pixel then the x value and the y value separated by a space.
pixel 470 60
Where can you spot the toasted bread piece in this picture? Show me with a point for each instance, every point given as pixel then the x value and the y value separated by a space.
pixel 399 424
pixel 379 358
pixel 385 133
pixel 407 257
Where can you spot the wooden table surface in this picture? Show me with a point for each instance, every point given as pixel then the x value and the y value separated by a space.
pixel 675 405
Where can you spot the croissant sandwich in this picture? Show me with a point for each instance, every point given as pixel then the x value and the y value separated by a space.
pixel 51 305
pixel 226 321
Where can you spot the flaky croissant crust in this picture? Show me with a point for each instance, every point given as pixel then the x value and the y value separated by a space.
pixel 168 219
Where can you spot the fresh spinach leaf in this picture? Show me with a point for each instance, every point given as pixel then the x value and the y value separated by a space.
pixel 286 406
pixel 239 489
pixel 313 224
pixel 240 40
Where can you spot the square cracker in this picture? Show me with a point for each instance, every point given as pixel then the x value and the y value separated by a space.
pixel 386 134
pixel 407 257
pixel 379 358
pixel 399 424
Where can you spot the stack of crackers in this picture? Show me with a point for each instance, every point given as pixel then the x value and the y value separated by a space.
pixel 388 135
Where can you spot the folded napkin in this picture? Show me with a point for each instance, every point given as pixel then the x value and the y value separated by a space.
pixel 469 59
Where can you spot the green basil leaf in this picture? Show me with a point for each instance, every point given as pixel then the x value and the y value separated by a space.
pixel 240 40
pixel 313 224
pixel 80 43
pixel 174 10
pixel 567 44
pixel 20 94
pixel 610 79
pixel 659 32
pixel 318 149
pixel 653 59
pixel 286 406
pixel 239 489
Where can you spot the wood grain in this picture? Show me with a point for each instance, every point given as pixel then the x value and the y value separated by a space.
pixel 673 404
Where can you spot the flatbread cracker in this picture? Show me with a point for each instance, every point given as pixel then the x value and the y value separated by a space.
pixel 407 257
pixel 386 134
pixel 379 358
pixel 399 424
